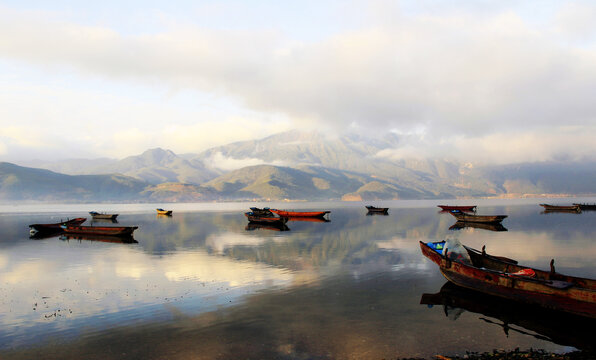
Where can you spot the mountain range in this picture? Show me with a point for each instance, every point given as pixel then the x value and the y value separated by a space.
pixel 292 165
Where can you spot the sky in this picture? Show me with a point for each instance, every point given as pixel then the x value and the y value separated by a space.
pixel 504 81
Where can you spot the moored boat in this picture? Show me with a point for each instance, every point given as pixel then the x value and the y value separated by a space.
pixel 100 230
pixel 53 228
pixel 503 277
pixel 161 211
pixel 103 216
pixel 549 207
pixel 265 219
pixel 286 214
pixel 468 208
pixel 377 210
pixel 461 216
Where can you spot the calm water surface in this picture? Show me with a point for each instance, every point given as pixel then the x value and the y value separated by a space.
pixel 201 284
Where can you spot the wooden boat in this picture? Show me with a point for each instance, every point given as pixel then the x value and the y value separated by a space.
pixel 372 209
pixel 495 226
pixel 53 228
pixel 161 211
pixel 556 326
pixel 261 212
pixel 589 207
pixel 312 214
pixel 265 219
pixel 103 238
pixel 468 208
pixel 100 230
pixel 460 216
pixel 503 277
pixel 549 207
pixel 104 216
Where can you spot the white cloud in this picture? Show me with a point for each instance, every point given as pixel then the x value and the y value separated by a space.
pixel 469 77
pixel 220 161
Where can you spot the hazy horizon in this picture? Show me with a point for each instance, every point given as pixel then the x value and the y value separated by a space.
pixel 499 81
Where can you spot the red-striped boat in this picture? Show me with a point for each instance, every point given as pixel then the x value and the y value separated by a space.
pixel 294 214
pixel 469 208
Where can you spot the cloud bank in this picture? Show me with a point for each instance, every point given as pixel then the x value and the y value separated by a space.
pixel 466 77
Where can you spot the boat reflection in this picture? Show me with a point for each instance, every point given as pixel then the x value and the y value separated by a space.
pixel 541 323
pixel 486 226
pixel 102 238
pixel 561 211
pixel 273 226
pixel 100 220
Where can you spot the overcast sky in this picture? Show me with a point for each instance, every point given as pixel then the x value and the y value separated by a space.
pixel 501 80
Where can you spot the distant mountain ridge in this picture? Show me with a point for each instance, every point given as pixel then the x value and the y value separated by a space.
pixel 292 165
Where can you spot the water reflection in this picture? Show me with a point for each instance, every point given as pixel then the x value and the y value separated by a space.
pixel 511 316
pixel 486 226
pixel 316 290
pixel 102 238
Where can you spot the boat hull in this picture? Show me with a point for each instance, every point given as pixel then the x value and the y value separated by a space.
pixel 103 216
pixel 372 209
pixel 55 227
pixel 164 212
pixel 469 208
pixel 549 207
pixel 266 219
pixel 573 295
pixel 101 230
pixel 590 207
pixel 478 218
pixel 295 214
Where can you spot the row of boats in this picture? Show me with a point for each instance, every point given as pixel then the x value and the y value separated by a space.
pixel 504 278
pixel 281 217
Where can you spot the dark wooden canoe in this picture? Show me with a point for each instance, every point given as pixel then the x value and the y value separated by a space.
pixel 468 208
pixel 549 207
pixel 265 219
pixel 101 230
pixel 556 326
pixel 294 214
pixel 104 216
pixel 55 227
pixel 497 276
pixel 460 216
pixel 372 209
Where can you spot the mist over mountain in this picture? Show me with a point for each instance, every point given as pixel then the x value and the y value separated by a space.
pixel 292 165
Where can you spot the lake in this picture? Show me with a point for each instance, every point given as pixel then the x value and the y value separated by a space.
pixel 202 284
